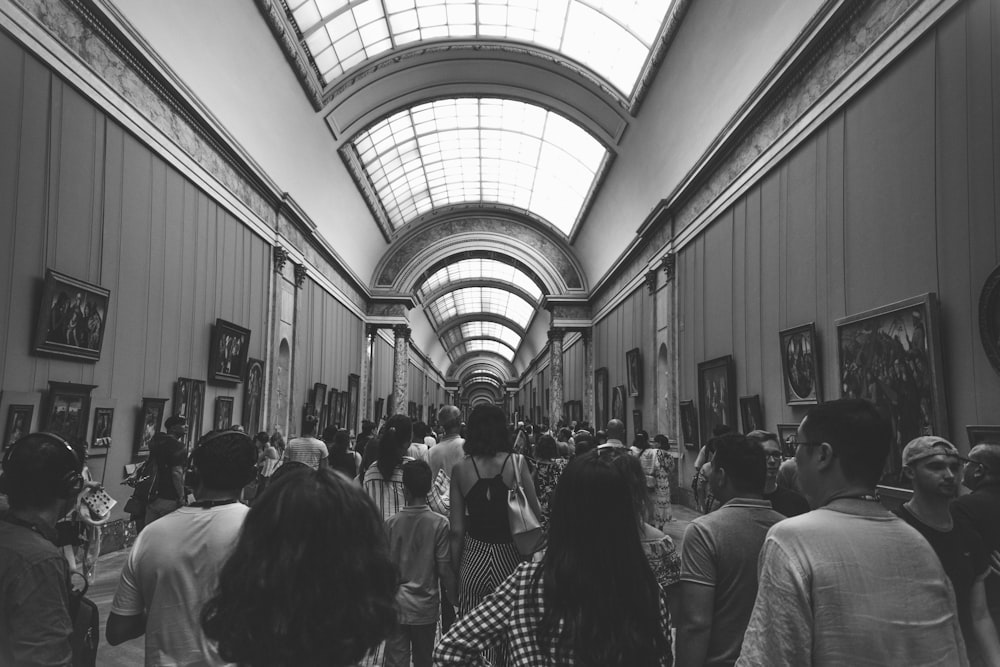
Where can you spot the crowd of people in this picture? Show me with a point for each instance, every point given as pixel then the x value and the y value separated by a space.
pixel 322 550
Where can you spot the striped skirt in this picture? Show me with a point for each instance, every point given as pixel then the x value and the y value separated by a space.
pixel 485 565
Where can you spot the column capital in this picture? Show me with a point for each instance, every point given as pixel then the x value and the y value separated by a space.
pixel 650 281
pixel 279 256
pixel 669 266
pixel 371 330
pixel 587 334
pixel 401 331
pixel 556 334
pixel 300 274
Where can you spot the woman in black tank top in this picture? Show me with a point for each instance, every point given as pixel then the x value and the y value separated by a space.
pixel 482 549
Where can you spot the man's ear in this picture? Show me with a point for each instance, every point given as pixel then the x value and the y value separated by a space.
pixel 824 455
pixel 908 472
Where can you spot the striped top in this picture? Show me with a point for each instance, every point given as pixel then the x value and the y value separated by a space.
pixel 387 494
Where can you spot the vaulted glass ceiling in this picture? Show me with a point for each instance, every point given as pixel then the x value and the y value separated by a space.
pixel 474 300
pixel 480 151
pixel 469 269
pixel 480 329
pixel 612 38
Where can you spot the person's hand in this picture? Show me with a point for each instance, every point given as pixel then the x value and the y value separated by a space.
pixel 995 562
pixel 93 485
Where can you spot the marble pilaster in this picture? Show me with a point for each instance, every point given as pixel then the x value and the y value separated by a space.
pixel 365 397
pixel 587 337
pixel 400 368
pixel 556 373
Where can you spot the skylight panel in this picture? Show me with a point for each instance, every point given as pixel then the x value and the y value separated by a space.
pixel 471 300
pixel 490 269
pixel 471 150
pixel 613 38
pixel 483 345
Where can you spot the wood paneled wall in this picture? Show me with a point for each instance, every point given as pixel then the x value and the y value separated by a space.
pixel 81 196
pixel 895 196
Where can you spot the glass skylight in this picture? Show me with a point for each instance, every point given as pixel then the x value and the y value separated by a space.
pixel 613 38
pixel 480 268
pixel 479 300
pixel 483 345
pixel 468 330
pixel 472 150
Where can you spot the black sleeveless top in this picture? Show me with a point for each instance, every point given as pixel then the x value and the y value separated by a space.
pixel 486 503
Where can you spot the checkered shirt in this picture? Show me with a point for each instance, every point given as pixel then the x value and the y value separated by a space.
pixel 509 615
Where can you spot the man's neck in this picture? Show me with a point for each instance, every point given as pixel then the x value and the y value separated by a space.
pixel 931 510
pixel 451 436
pixel 46 516
pixel 416 503
pixel 214 494
pixel 856 491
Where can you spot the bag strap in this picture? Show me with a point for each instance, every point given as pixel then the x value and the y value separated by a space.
pixel 517 471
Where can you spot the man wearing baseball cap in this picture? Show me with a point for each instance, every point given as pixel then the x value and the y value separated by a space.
pixel 934 467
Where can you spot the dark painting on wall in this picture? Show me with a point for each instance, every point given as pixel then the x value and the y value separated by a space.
pixel 253 396
pixel 636 421
pixel 147 425
pixel 331 407
pixel 800 368
pixel 317 399
pixel 978 435
pixel 68 412
pixel 989 318
pixel 18 423
pixel 71 318
pixel 633 367
pixel 601 415
pixel 618 404
pixel 196 411
pixel 103 421
pixel 751 413
pixel 716 394
pixel 223 412
pixel 892 357
pixel 390 402
pixel 787 435
pixel 353 393
pixel 228 354
pixel 379 406
pixel 689 424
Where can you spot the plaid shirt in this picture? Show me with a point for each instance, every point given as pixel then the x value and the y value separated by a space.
pixel 509 615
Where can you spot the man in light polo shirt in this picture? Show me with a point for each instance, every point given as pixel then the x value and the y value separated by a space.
pixel 719 556
pixel 615 436
pixel 307 448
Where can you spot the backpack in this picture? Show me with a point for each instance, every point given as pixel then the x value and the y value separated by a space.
pixel 86 622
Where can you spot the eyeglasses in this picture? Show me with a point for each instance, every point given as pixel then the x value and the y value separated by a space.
pixel 803 443
pixel 776 456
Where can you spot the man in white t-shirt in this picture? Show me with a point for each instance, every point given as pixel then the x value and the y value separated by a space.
pixel 174 565
pixel 308 448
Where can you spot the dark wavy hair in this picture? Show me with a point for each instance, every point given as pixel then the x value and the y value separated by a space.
pixel 393 443
pixel 487 431
pixel 310 580
pixel 601 598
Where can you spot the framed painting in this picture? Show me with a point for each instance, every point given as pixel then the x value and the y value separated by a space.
pixel 800 365
pixel 353 392
pixel 331 407
pixel 181 397
pixel 982 435
pixel 636 421
pixel 223 417
pixel 892 357
pixel 253 396
pixel 227 360
pixel 618 403
pixel 989 318
pixel 71 318
pixel 18 423
pixel 751 413
pixel 601 398
pixel 68 411
pixel 633 368
pixel 196 411
pixel 689 424
pixel 390 403
pixel 341 415
pixel 147 425
pixel 317 399
pixel 411 409
pixel 787 433
pixel 716 387
pixel 379 406
pixel 103 421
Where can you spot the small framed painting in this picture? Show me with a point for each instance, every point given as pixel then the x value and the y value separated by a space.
pixel 18 423
pixel 689 424
pixel 228 354
pixel 223 412
pixel 148 425
pixel 751 413
pixel 800 365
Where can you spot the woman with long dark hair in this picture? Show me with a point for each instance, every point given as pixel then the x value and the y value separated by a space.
pixel 592 600
pixel 309 582
pixel 383 480
pixel 481 543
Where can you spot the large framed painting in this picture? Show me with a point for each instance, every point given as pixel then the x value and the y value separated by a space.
pixel 633 368
pixel 787 434
pixel 989 318
pixel 331 407
pixel 353 392
pixel 253 396
pixel 800 368
pixel 716 394
pixel 636 421
pixel 228 354
pixel 188 402
pixel 601 398
pixel 689 424
pixel 223 412
pixel 18 423
pixel 983 435
pixel 751 413
pixel 68 410
pixel 317 400
pixel 71 318
pixel 147 425
pixel 892 357
pixel 618 403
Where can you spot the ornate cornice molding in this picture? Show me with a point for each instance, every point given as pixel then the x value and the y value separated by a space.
pixel 296 53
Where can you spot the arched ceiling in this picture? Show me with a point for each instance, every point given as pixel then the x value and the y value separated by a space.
pixel 478 132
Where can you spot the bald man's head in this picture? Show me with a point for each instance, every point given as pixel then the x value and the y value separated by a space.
pixel 450 419
pixel 616 430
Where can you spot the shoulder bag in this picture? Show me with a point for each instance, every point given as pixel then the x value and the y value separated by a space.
pixel 524 525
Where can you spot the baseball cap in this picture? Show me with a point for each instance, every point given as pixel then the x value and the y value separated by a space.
pixel 176 420
pixel 926 446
